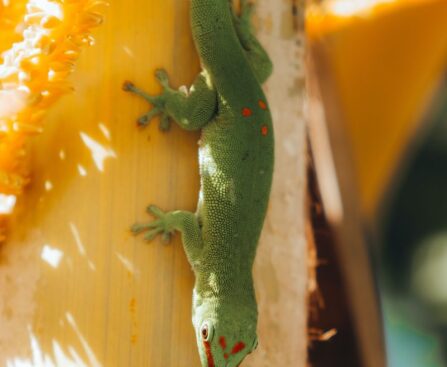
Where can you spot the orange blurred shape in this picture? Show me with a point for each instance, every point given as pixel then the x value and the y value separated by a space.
pixel 381 60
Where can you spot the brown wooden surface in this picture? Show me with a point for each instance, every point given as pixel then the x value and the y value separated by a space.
pixel 333 339
pixel 371 74
pixel 77 289
pixel 342 209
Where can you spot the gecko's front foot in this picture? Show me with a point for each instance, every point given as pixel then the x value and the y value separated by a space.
pixel 158 102
pixel 161 225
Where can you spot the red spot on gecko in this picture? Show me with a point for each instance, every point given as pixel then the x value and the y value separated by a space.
pixel 262 104
pixel 264 130
pixel 237 348
pixel 209 355
pixel 223 342
pixel 246 112
pixel 226 355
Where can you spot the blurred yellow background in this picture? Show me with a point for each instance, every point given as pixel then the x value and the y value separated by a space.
pixel 381 61
pixel 379 65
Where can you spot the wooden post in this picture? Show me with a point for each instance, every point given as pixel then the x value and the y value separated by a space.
pixel 77 289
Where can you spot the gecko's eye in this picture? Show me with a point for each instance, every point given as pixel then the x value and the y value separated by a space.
pixel 206 331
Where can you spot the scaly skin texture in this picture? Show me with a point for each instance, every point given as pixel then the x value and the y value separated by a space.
pixel 236 162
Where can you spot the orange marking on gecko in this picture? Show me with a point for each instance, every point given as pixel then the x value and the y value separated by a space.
pixel 262 104
pixel 223 342
pixel 209 355
pixel 264 130
pixel 246 112
pixel 237 348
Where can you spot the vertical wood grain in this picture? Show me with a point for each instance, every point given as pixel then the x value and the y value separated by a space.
pixel 281 266
pixel 112 300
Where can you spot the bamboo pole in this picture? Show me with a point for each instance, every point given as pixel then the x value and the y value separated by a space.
pixel 77 288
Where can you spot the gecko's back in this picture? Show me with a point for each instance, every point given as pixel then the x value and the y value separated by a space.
pixel 236 163
pixel 235 154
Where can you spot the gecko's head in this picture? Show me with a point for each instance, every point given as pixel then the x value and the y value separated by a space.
pixel 225 334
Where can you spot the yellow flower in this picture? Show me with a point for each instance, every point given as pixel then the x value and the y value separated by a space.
pixel 11 21
pixel 40 42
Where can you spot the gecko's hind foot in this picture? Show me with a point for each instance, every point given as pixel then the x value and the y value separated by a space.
pixel 162 76
pixel 245 12
pixel 242 20
pixel 247 7
pixel 165 120
pixel 127 86
pixel 158 102
pixel 161 225
pixel 144 120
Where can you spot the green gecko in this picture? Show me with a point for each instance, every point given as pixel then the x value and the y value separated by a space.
pixel 236 154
